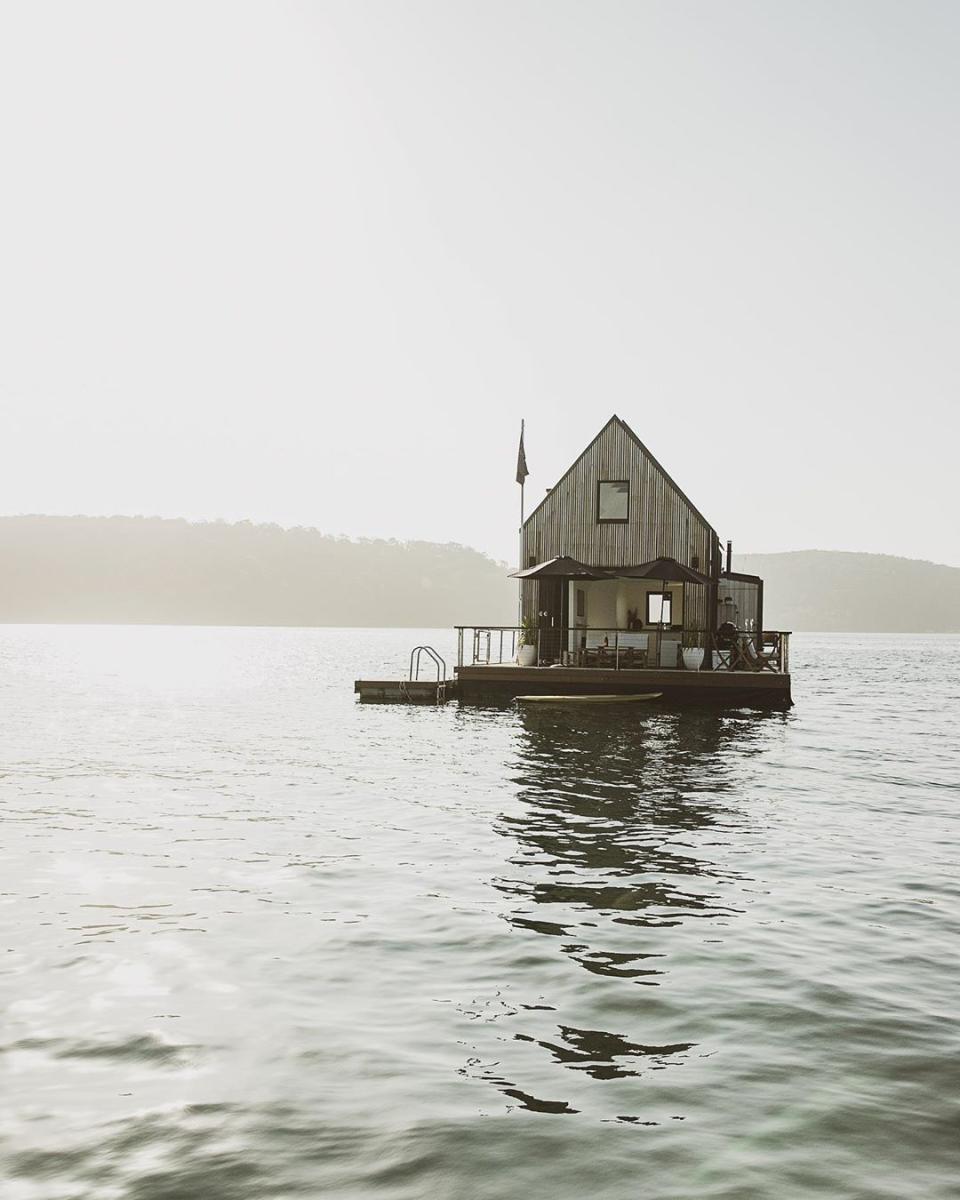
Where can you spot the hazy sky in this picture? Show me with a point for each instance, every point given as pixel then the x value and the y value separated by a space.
pixel 312 262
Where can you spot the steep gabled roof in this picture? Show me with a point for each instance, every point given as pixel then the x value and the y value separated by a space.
pixel 629 432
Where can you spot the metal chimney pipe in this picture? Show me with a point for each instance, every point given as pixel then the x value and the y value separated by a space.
pixel 729 556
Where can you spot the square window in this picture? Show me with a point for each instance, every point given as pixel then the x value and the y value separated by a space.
pixel 613 500
pixel 659 608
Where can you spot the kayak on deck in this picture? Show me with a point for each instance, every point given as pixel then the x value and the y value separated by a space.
pixel 606 699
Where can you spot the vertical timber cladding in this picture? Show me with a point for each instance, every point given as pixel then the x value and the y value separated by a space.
pixel 662 520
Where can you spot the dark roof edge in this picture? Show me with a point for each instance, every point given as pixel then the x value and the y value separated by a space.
pixel 656 463
pixel 669 478
pixel 589 446
pixel 740 576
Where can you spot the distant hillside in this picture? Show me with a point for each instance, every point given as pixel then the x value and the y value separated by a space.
pixel 832 590
pixel 144 570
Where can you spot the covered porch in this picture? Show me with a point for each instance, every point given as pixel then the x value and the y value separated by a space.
pixel 660 614
pixel 660 625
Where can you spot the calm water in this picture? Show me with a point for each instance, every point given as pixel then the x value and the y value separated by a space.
pixel 259 941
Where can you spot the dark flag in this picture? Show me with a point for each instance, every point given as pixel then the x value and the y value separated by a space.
pixel 522 471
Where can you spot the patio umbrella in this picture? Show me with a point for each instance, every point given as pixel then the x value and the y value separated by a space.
pixel 562 567
pixel 664 570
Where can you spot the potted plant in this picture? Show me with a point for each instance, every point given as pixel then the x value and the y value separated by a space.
pixel 527 648
pixel 691 652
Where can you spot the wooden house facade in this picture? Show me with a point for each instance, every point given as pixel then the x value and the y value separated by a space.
pixel 660 520
pixel 616 507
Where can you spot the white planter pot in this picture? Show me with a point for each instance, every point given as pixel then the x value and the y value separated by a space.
pixel 692 658
pixel 527 656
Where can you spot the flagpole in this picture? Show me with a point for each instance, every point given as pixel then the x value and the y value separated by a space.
pixel 520 540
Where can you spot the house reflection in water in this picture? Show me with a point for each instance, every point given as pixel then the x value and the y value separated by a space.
pixel 611 874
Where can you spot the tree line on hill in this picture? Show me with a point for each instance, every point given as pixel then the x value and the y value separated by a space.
pixel 150 570
pixel 843 591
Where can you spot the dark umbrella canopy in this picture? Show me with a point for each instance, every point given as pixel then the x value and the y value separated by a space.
pixel 562 567
pixel 664 570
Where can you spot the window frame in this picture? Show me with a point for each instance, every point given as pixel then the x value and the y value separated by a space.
pixel 613 520
pixel 668 596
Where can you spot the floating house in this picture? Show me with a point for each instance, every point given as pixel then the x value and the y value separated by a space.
pixel 623 588
pixel 623 591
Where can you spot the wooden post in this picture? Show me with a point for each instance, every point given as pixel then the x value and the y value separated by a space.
pixel 712 590
pixel 522 481
pixel 520 568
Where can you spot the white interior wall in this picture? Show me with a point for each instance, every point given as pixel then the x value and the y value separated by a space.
pixel 609 602
pixel 602 604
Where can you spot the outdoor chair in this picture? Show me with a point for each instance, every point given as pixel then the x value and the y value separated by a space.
pixel 727 646
pixel 763 659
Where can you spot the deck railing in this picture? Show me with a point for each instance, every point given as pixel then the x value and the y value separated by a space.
pixel 623 649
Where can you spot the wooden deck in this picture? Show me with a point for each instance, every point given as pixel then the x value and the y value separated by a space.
pixel 501 682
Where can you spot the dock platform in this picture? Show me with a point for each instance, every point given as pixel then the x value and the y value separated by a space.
pixel 501 682
pixel 405 691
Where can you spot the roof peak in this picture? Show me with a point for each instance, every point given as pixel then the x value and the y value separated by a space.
pixel 615 418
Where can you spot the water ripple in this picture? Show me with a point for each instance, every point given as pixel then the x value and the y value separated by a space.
pixel 260 941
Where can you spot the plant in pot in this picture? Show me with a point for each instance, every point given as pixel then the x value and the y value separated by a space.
pixel 691 652
pixel 527 648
